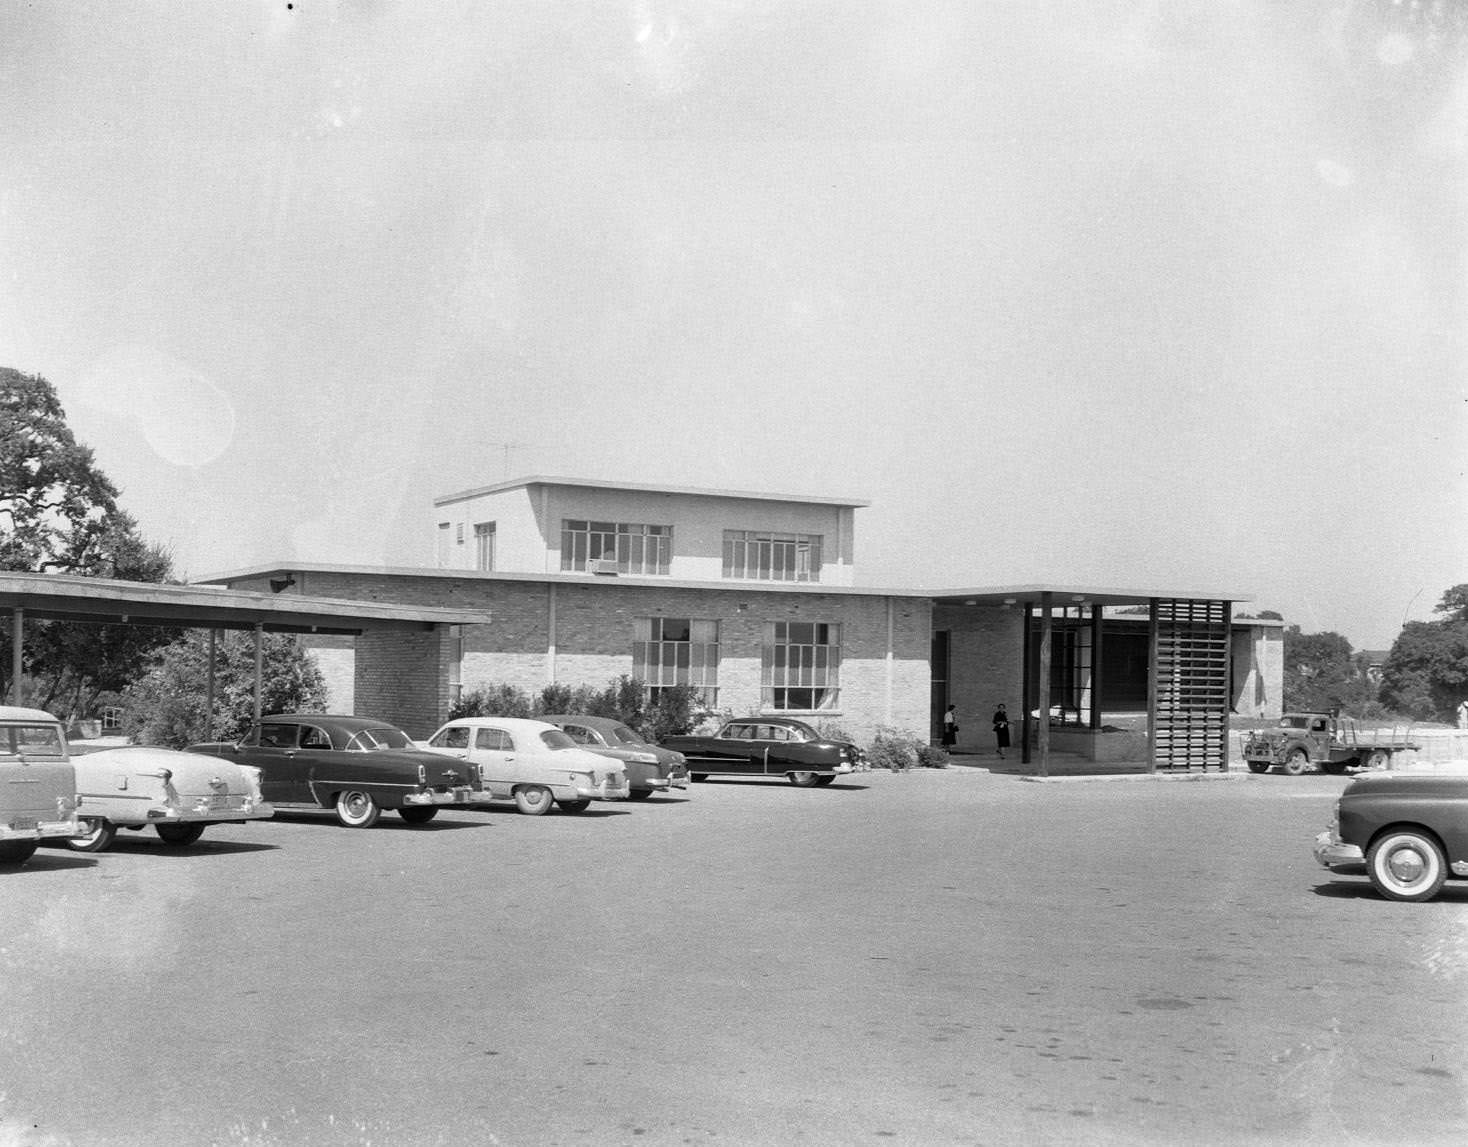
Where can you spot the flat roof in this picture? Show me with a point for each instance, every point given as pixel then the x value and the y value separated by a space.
pixel 1075 595
pixel 63 597
pixel 546 480
pixel 557 578
pixel 990 595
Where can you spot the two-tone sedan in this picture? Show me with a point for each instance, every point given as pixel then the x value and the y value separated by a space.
pixel 531 763
pixel 178 794
pixel 767 747
pixel 356 765
pixel 650 768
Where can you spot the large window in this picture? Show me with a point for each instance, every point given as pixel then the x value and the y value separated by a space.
pixel 801 665
pixel 677 651
pixel 484 545
pixel 772 557
pixel 620 547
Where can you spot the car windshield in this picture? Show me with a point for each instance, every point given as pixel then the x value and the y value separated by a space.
pixel 555 739
pixel 626 735
pixel 1293 721
pixel 378 738
pixel 32 741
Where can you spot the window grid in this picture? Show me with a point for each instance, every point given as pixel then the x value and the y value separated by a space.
pixel 766 556
pixel 635 548
pixel 669 651
pixel 484 545
pixel 801 666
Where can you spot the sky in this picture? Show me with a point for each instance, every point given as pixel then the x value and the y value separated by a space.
pixel 1112 293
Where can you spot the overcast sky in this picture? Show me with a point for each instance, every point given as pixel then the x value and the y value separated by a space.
pixel 1108 292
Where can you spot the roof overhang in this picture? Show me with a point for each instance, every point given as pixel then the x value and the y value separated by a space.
pixel 593 484
pixel 59 597
pixel 1062 595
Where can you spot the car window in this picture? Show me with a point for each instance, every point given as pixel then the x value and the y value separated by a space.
pixel 739 732
pixel 454 737
pixel 496 739
pixel 556 739
pixel 278 736
pixel 625 735
pixel 1317 726
pixel 377 738
pixel 33 741
pixel 580 734
pixel 314 738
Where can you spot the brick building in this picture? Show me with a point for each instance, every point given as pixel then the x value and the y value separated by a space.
pixel 750 597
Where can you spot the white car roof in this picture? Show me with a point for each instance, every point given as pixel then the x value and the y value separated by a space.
pixel 17 713
pixel 514 724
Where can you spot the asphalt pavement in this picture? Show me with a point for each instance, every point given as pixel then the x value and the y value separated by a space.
pixel 946 956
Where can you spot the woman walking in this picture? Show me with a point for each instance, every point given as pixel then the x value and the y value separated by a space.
pixel 1001 730
pixel 950 728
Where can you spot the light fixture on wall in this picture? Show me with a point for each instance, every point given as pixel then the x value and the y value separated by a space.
pixel 278 584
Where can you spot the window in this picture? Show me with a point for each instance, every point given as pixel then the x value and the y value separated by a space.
pixel 496 739
pixel 484 545
pixel 624 546
pixel 443 545
pixel 677 651
pixel 277 736
pixel 580 734
pixel 772 557
pixel 454 737
pixel 314 738
pixel 801 665
pixel 459 534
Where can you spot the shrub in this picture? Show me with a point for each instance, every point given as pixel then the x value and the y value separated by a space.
pixel 492 701
pixel 675 711
pixel 900 750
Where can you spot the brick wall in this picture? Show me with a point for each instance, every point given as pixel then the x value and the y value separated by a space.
pixel 986 666
pixel 594 629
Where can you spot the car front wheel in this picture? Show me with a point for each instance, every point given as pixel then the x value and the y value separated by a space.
pixel 179 835
pixel 802 779
pixel 418 814
pixel 97 834
pixel 1259 766
pixel 532 800
pixel 357 809
pixel 1407 865
pixel 1378 759
pixel 1297 762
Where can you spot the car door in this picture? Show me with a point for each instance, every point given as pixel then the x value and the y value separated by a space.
pixel 739 750
pixel 315 758
pixel 493 750
pixel 271 747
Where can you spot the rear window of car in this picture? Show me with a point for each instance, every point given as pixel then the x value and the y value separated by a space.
pixel 380 737
pixel 496 739
pixel 625 735
pixel 555 739
pixel 32 741
pixel 580 734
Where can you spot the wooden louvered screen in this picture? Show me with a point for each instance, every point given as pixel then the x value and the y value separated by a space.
pixel 1190 685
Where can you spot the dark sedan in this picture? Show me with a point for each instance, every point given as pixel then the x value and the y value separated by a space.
pixel 355 765
pixel 767 746
pixel 1408 833
pixel 650 768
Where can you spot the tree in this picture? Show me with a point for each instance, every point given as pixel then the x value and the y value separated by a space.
pixel 167 705
pixel 1318 672
pixel 1454 604
pixel 1426 672
pixel 59 514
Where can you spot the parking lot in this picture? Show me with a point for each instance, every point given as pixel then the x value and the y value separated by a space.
pixel 937 957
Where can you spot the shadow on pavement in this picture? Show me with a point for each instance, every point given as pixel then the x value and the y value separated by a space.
pixel 1360 889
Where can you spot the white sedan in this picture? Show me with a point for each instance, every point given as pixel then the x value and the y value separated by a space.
pixel 179 794
pixel 532 763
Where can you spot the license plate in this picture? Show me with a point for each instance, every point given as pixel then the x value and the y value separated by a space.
pixel 24 822
pixel 219 800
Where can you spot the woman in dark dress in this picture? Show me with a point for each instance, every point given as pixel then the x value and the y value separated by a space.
pixel 1001 730
pixel 950 727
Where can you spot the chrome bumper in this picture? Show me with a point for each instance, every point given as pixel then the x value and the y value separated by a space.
pixel 463 795
pixel 22 828
pixel 612 789
pixel 1331 852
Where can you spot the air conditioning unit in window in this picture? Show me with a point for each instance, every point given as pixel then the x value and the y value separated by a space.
pixel 607 566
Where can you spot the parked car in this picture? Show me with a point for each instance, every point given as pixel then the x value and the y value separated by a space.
pixel 37 783
pixel 179 794
pixel 356 765
pixel 767 746
pixel 650 768
pixel 531 763
pixel 1408 833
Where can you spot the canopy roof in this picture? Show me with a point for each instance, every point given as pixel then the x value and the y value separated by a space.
pixel 60 597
